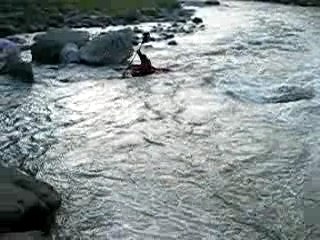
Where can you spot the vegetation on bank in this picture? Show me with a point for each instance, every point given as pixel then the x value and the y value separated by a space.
pixel 116 7
pixel 18 16
pixel 110 7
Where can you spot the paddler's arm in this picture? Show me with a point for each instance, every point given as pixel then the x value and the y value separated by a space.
pixel 140 54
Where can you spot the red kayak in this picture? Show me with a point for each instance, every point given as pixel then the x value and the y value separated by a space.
pixel 140 71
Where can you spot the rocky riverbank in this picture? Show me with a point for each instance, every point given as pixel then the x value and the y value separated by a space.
pixel 304 3
pixel 36 16
pixel 27 206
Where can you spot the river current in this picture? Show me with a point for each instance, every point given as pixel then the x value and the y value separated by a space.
pixel 226 146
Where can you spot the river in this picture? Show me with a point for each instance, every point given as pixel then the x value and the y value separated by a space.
pixel 224 147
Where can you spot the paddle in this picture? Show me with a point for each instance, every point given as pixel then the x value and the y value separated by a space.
pixel 145 39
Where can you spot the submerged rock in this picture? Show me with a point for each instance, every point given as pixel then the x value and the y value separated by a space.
pixel 172 43
pixel 48 46
pixel 113 47
pixel 167 36
pixel 26 204
pixel 197 20
pixel 212 3
pixel 286 94
pixel 137 30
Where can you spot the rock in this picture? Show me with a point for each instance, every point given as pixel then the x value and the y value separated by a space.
pixel 137 30
pixel 37 27
pixel 34 235
pixel 20 70
pixel 172 30
pixel 135 42
pixel 77 19
pixel 47 47
pixel 197 20
pixel 26 204
pixel 65 36
pixel 46 52
pixel 172 43
pixel 186 13
pixel 56 20
pixel 212 3
pixel 186 29
pixel 12 64
pixel 90 21
pixel 9 49
pixel 113 47
pixel 25 47
pixel 175 24
pixel 167 36
pixel 150 12
pixel 17 40
pixel 70 54
pixel 197 3
pixel 132 16
pixel 181 20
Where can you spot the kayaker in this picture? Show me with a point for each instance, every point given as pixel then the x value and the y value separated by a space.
pixel 145 66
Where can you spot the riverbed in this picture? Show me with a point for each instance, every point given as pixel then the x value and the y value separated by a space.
pixel 223 147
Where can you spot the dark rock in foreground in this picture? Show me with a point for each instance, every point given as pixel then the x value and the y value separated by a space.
pixel 48 46
pixel 19 70
pixel 26 204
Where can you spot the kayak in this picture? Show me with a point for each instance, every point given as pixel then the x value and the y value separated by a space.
pixel 137 71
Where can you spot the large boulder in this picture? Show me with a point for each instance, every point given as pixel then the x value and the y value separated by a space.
pixel 19 70
pixel 70 54
pixel 8 48
pixel 26 204
pixel 48 46
pixel 16 39
pixel 11 62
pixel 113 47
